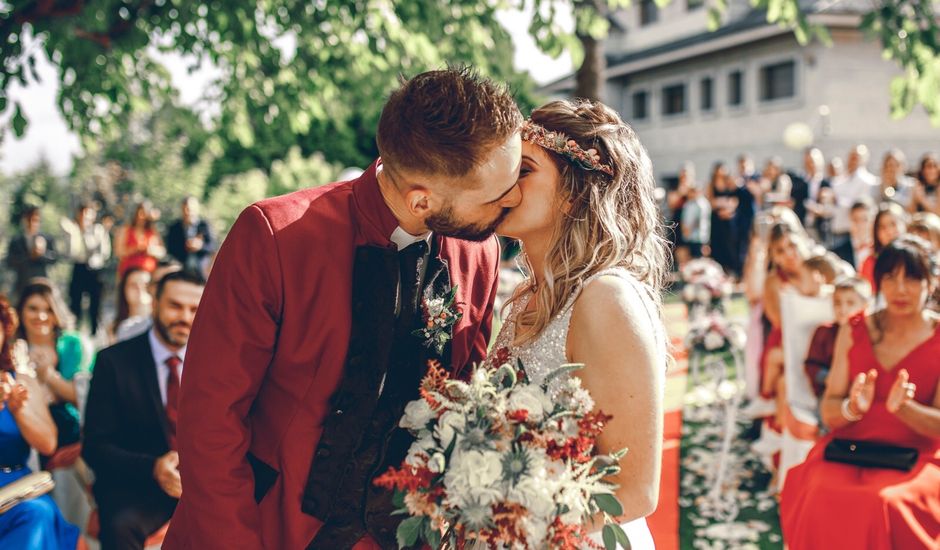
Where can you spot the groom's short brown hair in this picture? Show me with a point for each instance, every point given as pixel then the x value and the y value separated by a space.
pixel 444 122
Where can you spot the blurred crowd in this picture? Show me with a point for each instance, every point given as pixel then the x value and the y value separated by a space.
pixel 839 267
pixel 124 313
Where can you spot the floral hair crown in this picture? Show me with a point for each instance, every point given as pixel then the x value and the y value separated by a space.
pixel 568 148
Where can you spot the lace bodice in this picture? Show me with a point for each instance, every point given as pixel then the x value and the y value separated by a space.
pixel 547 352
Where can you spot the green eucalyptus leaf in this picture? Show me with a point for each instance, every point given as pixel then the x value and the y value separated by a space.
pixel 408 531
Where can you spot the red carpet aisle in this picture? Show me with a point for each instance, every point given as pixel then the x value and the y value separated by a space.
pixel 664 523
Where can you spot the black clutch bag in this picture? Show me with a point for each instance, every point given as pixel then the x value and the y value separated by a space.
pixel 871 455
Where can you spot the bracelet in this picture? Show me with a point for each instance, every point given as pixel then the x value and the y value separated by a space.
pixel 847 414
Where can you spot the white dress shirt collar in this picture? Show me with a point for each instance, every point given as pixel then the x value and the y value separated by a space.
pixel 404 239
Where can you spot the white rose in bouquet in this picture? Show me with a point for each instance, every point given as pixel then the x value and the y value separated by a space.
pixel 688 293
pixel 448 426
pixel 419 450
pixel 713 340
pixel 530 398
pixel 417 415
pixel 473 476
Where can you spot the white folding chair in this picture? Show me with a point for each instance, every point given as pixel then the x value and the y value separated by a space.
pixel 799 317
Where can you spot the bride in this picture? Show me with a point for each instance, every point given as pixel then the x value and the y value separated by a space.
pixel 596 259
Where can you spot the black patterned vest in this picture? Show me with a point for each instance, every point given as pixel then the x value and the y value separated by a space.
pixel 384 366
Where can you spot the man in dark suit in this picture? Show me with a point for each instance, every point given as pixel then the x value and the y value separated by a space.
pixel 190 238
pixel 130 424
pixel 31 252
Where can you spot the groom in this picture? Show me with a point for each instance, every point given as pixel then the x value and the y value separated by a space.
pixel 303 354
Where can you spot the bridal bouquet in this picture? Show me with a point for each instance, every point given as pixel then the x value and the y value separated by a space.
pixel 498 463
pixel 713 333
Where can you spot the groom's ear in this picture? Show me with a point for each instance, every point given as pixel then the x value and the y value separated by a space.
pixel 419 202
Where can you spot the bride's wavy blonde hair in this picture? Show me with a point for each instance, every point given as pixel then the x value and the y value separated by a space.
pixel 610 220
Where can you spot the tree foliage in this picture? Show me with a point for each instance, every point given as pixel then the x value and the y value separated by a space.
pixel 306 73
pixel 312 74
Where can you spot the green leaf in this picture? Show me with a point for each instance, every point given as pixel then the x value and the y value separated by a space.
pixel 431 536
pixel 19 121
pixel 621 537
pixel 610 538
pixel 408 531
pixel 608 503
pixel 398 499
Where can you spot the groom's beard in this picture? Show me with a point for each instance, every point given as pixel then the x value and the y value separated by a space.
pixel 446 224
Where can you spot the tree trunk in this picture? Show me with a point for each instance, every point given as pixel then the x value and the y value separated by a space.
pixel 590 75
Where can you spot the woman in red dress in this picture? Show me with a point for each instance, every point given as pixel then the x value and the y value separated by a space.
pixel 883 387
pixel 138 245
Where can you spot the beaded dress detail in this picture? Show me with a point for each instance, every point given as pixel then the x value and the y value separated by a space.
pixel 548 351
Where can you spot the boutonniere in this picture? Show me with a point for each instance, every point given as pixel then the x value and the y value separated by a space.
pixel 441 313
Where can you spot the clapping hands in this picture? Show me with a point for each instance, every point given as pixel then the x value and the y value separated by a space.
pixel 12 394
pixel 862 392
pixel 901 392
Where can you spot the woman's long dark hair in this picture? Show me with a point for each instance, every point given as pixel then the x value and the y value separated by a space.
pixel 887 209
pixel 8 325
pixel 47 290
pixel 928 157
pixel 123 308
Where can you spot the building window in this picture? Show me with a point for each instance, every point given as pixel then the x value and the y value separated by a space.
pixel 674 99
pixel 691 5
pixel 649 12
pixel 778 81
pixel 641 102
pixel 736 88
pixel 707 90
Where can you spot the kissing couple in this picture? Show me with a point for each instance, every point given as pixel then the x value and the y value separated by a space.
pixel 308 342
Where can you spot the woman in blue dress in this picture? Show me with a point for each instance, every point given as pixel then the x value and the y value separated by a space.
pixel 25 422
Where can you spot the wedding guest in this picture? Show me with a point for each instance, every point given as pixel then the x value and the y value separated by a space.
pixel 190 240
pixel 130 425
pixel 88 246
pixel 928 184
pixel 30 253
pixel 138 244
pixel 856 249
pixel 675 203
pixel 850 297
pixel 750 196
pixel 883 387
pixel 25 424
pixel 723 197
pixel 57 352
pixel 857 184
pixel 890 223
pixel 835 168
pixel 695 222
pixel 894 185
pixel 777 187
pixel 789 251
pixel 134 304
pixel 811 182
pixel 926 225
pixel 757 268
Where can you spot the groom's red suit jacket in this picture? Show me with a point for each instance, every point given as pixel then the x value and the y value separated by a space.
pixel 267 351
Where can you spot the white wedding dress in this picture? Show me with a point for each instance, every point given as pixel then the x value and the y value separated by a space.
pixel 547 352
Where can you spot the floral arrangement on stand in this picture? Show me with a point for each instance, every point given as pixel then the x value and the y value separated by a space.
pixel 499 462
pixel 705 286
pixel 713 333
